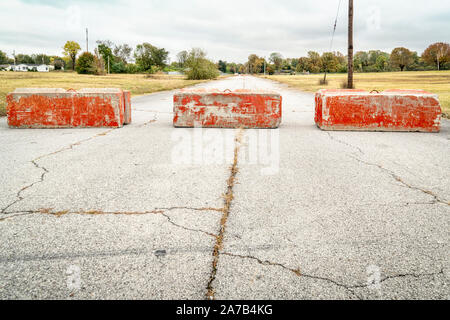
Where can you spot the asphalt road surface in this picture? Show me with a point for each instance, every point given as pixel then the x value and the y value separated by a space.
pixel 138 212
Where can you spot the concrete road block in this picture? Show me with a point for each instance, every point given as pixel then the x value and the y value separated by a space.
pixel 390 110
pixel 59 108
pixel 127 100
pixel 226 109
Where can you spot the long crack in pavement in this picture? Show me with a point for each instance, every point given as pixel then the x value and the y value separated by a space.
pixel 228 198
pixel 395 176
pixel 349 288
pixel 19 193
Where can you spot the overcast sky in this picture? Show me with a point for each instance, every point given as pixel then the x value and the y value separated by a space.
pixel 228 29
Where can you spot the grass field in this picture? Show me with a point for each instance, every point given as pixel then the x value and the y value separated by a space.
pixel 432 81
pixel 138 84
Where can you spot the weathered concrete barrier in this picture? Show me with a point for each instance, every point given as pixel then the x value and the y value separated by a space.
pixel 226 109
pixel 59 108
pixel 391 110
pixel 127 99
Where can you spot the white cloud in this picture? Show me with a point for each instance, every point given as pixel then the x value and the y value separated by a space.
pixel 228 30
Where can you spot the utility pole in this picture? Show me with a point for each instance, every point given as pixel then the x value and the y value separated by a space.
pixel 108 64
pixel 350 44
pixel 439 54
pixel 264 65
pixel 87 40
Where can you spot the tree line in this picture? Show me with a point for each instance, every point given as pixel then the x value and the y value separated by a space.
pixel 435 57
pixel 147 58
pixel 111 58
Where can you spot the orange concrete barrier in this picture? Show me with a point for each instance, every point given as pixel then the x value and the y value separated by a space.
pixel 226 109
pixel 391 110
pixel 59 108
pixel 127 99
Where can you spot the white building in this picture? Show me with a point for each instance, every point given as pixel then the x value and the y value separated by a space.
pixel 31 67
pixel 20 67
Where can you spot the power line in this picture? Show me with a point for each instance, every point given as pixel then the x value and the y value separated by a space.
pixel 87 40
pixel 332 38
pixel 335 25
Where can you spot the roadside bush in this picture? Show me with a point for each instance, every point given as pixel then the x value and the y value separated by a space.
pixel 153 70
pixel 200 68
pixel 118 67
pixel 58 64
pixel 131 68
pixel 86 64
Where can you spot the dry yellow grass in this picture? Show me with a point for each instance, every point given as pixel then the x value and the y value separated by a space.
pixel 138 84
pixel 437 82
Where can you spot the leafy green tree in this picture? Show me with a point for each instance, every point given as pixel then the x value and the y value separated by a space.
pixel 302 65
pixel 24 58
pixel 4 58
pixel 86 64
pixel 106 53
pixel 71 49
pixel 361 60
pixel 382 62
pixel 222 66
pixel 199 67
pixel 57 62
pixel 437 54
pixel 294 63
pixel 182 57
pixel 232 67
pixel 401 57
pixel 270 69
pixel 132 68
pixel 41 58
pixel 314 62
pixel 118 67
pixel 286 64
pixel 255 64
pixel 277 59
pixel 123 52
pixel 329 62
pixel 150 58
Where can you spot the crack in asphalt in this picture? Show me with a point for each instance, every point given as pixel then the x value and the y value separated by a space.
pixel 98 212
pixel 15 214
pixel 70 146
pixel 393 174
pixel 349 288
pixel 344 143
pixel 399 179
pixel 189 229
pixel 191 208
pixel 228 198
pixel 19 193
pixel 297 271
pixel 155 118
pixel 34 162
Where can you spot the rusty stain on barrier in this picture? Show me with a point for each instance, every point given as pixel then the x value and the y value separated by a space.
pixel 59 108
pixel 390 110
pixel 226 109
